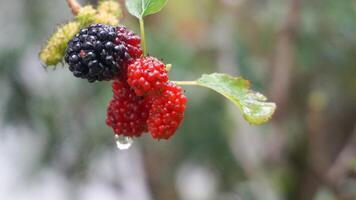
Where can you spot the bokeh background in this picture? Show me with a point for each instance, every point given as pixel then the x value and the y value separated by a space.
pixel 302 54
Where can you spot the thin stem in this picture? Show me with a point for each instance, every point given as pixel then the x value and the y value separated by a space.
pixel 143 38
pixel 74 6
pixel 186 83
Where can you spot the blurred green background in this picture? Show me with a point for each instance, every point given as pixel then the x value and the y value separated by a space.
pixel 54 143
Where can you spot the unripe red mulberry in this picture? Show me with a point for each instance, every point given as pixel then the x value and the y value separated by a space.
pixel 147 76
pixel 167 111
pixel 127 113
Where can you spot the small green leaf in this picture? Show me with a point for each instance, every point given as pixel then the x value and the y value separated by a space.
pixel 153 6
pixel 134 7
pixel 142 8
pixel 253 105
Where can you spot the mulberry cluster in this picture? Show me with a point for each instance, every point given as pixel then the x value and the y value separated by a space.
pixel 143 97
pixel 101 52
pixel 163 102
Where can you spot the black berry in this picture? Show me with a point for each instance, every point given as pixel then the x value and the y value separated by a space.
pixel 99 52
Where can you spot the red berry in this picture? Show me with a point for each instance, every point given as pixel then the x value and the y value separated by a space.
pixel 167 111
pixel 130 40
pixel 127 113
pixel 147 76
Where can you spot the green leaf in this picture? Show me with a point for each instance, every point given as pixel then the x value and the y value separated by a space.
pixel 253 105
pixel 142 8
pixel 134 7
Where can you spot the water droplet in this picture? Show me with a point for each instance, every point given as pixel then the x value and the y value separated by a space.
pixel 123 142
pixel 260 97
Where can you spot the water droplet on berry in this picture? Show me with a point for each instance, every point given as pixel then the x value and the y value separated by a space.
pixel 123 142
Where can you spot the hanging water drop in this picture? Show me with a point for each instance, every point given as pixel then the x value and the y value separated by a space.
pixel 123 142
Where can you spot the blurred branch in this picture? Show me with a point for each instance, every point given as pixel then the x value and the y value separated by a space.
pixel 74 6
pixel 335 176
pixel 284 61
pixel 340 168
pixel 285 56
pixel 318 163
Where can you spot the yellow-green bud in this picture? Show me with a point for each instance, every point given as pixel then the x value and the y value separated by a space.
pixel 108 12
pixel 110 7
pixel 53 52
pixel 86 15
pixel 105 18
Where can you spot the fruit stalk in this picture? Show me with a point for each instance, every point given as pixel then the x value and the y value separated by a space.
pixel 143 38
pixel 186 83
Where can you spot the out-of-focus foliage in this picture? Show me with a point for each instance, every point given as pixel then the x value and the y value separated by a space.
pixel 55 144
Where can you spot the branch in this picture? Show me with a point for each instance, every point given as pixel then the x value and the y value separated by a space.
pixel 284 60
pixel 339 170
pixel 74 6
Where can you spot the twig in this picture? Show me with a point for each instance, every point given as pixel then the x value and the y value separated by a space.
pixel 74 6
